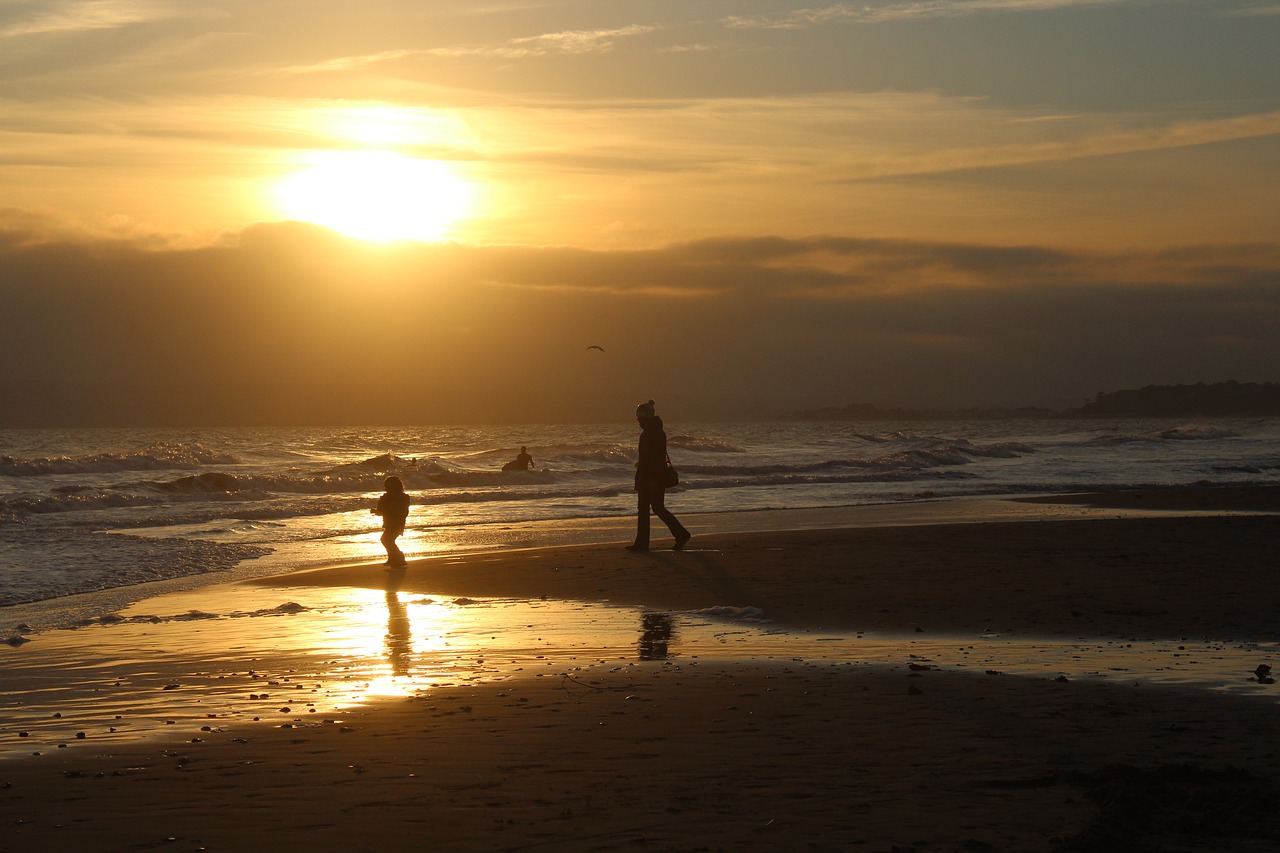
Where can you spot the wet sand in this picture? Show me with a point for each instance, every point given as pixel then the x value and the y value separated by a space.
pixel 607 747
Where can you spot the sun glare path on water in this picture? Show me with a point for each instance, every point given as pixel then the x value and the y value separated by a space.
pixel 375 195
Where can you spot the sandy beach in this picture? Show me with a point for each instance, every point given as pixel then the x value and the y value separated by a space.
pixel 789 739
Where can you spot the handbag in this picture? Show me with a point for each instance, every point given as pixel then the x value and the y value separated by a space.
pixel 670 476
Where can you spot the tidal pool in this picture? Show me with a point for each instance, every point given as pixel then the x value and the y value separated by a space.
pixel 226 658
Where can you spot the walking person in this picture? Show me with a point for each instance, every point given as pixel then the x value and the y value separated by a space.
pixel 651 486
pixel 393 506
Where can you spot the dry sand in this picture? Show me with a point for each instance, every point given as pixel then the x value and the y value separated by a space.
pixel 778 754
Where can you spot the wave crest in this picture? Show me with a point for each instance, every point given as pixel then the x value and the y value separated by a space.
pixel 155 457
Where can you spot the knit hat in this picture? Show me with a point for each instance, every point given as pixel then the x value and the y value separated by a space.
pixel 645 410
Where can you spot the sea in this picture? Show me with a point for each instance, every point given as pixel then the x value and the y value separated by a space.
pixel 90 512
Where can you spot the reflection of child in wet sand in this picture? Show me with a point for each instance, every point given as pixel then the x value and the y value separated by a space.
pixel 394 509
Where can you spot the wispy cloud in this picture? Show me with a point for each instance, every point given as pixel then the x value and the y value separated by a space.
pixel 801 19
pixel 1255 12
pixel 89 15
pixel 570 42
pixel 351 63
pixel 1101 144
pixel 565 42
pixel 884 135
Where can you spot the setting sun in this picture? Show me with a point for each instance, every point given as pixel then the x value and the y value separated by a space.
pixel 375 195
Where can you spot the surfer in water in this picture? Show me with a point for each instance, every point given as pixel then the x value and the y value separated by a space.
pixel 522 462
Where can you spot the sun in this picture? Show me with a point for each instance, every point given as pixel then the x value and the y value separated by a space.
pixel 375 195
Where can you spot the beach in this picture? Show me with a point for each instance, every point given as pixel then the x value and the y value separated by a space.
pixel 733 710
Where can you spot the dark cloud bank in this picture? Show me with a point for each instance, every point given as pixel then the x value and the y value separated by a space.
pixel 289 324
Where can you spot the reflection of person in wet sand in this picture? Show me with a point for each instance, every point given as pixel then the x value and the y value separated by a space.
pixel 522 462
pixel 399 643
pixel 650 486
pixel 655 635
pixel 393 506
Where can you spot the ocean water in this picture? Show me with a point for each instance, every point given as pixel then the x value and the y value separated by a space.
pixel 86 511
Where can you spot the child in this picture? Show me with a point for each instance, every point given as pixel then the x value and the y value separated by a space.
pixel 394 509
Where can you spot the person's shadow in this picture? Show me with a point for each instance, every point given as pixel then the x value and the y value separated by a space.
pixel 655 636
pixel 398 640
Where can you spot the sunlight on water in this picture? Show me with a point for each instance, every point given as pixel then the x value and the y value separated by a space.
pixel 266 658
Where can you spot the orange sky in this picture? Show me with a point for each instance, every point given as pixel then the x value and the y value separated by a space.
pixel 851 168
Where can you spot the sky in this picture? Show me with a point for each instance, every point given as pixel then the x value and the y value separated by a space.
pixel 397 212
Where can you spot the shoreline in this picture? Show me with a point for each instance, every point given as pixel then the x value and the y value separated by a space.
pixel 82 608
pixel 486 701
pixel 896 548
pixel 1103 569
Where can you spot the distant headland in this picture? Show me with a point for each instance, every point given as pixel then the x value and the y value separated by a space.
pixel 1203 400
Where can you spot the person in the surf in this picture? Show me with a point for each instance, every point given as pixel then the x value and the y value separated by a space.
pixel 393 506
pixel 522 462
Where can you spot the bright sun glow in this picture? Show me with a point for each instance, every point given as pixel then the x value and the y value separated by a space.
pixel 376 195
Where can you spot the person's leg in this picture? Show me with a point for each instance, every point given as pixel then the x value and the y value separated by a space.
pixel 394 555
pixel 642 523
pixel 659 503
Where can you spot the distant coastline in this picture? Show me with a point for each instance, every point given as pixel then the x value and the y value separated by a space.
pixel 1203 400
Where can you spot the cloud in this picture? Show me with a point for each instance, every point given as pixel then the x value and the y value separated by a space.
pixel 351 63
pixel 802 19
pixel 1103 142
pixel 90 15
pixel 723 328
pixel 1254 12
pixel 568 42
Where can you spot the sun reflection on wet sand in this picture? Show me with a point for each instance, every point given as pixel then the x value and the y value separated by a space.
pixel 303 656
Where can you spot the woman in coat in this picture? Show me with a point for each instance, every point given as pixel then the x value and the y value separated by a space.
pixel 650 486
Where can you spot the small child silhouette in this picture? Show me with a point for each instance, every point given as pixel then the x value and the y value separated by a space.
pixel 393 506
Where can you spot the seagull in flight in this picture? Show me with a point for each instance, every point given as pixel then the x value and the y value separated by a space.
pixel 596 346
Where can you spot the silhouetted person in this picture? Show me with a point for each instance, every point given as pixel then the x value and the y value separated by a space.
pixel 522 462
pixel 393 506
pixel 651 488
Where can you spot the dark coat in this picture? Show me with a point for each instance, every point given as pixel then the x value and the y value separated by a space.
pixel 652 452
pixel 394 509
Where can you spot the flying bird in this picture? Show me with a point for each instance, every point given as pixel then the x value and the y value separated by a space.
pixel 596 346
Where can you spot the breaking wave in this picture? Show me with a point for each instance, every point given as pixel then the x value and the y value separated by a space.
pixel 160 456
